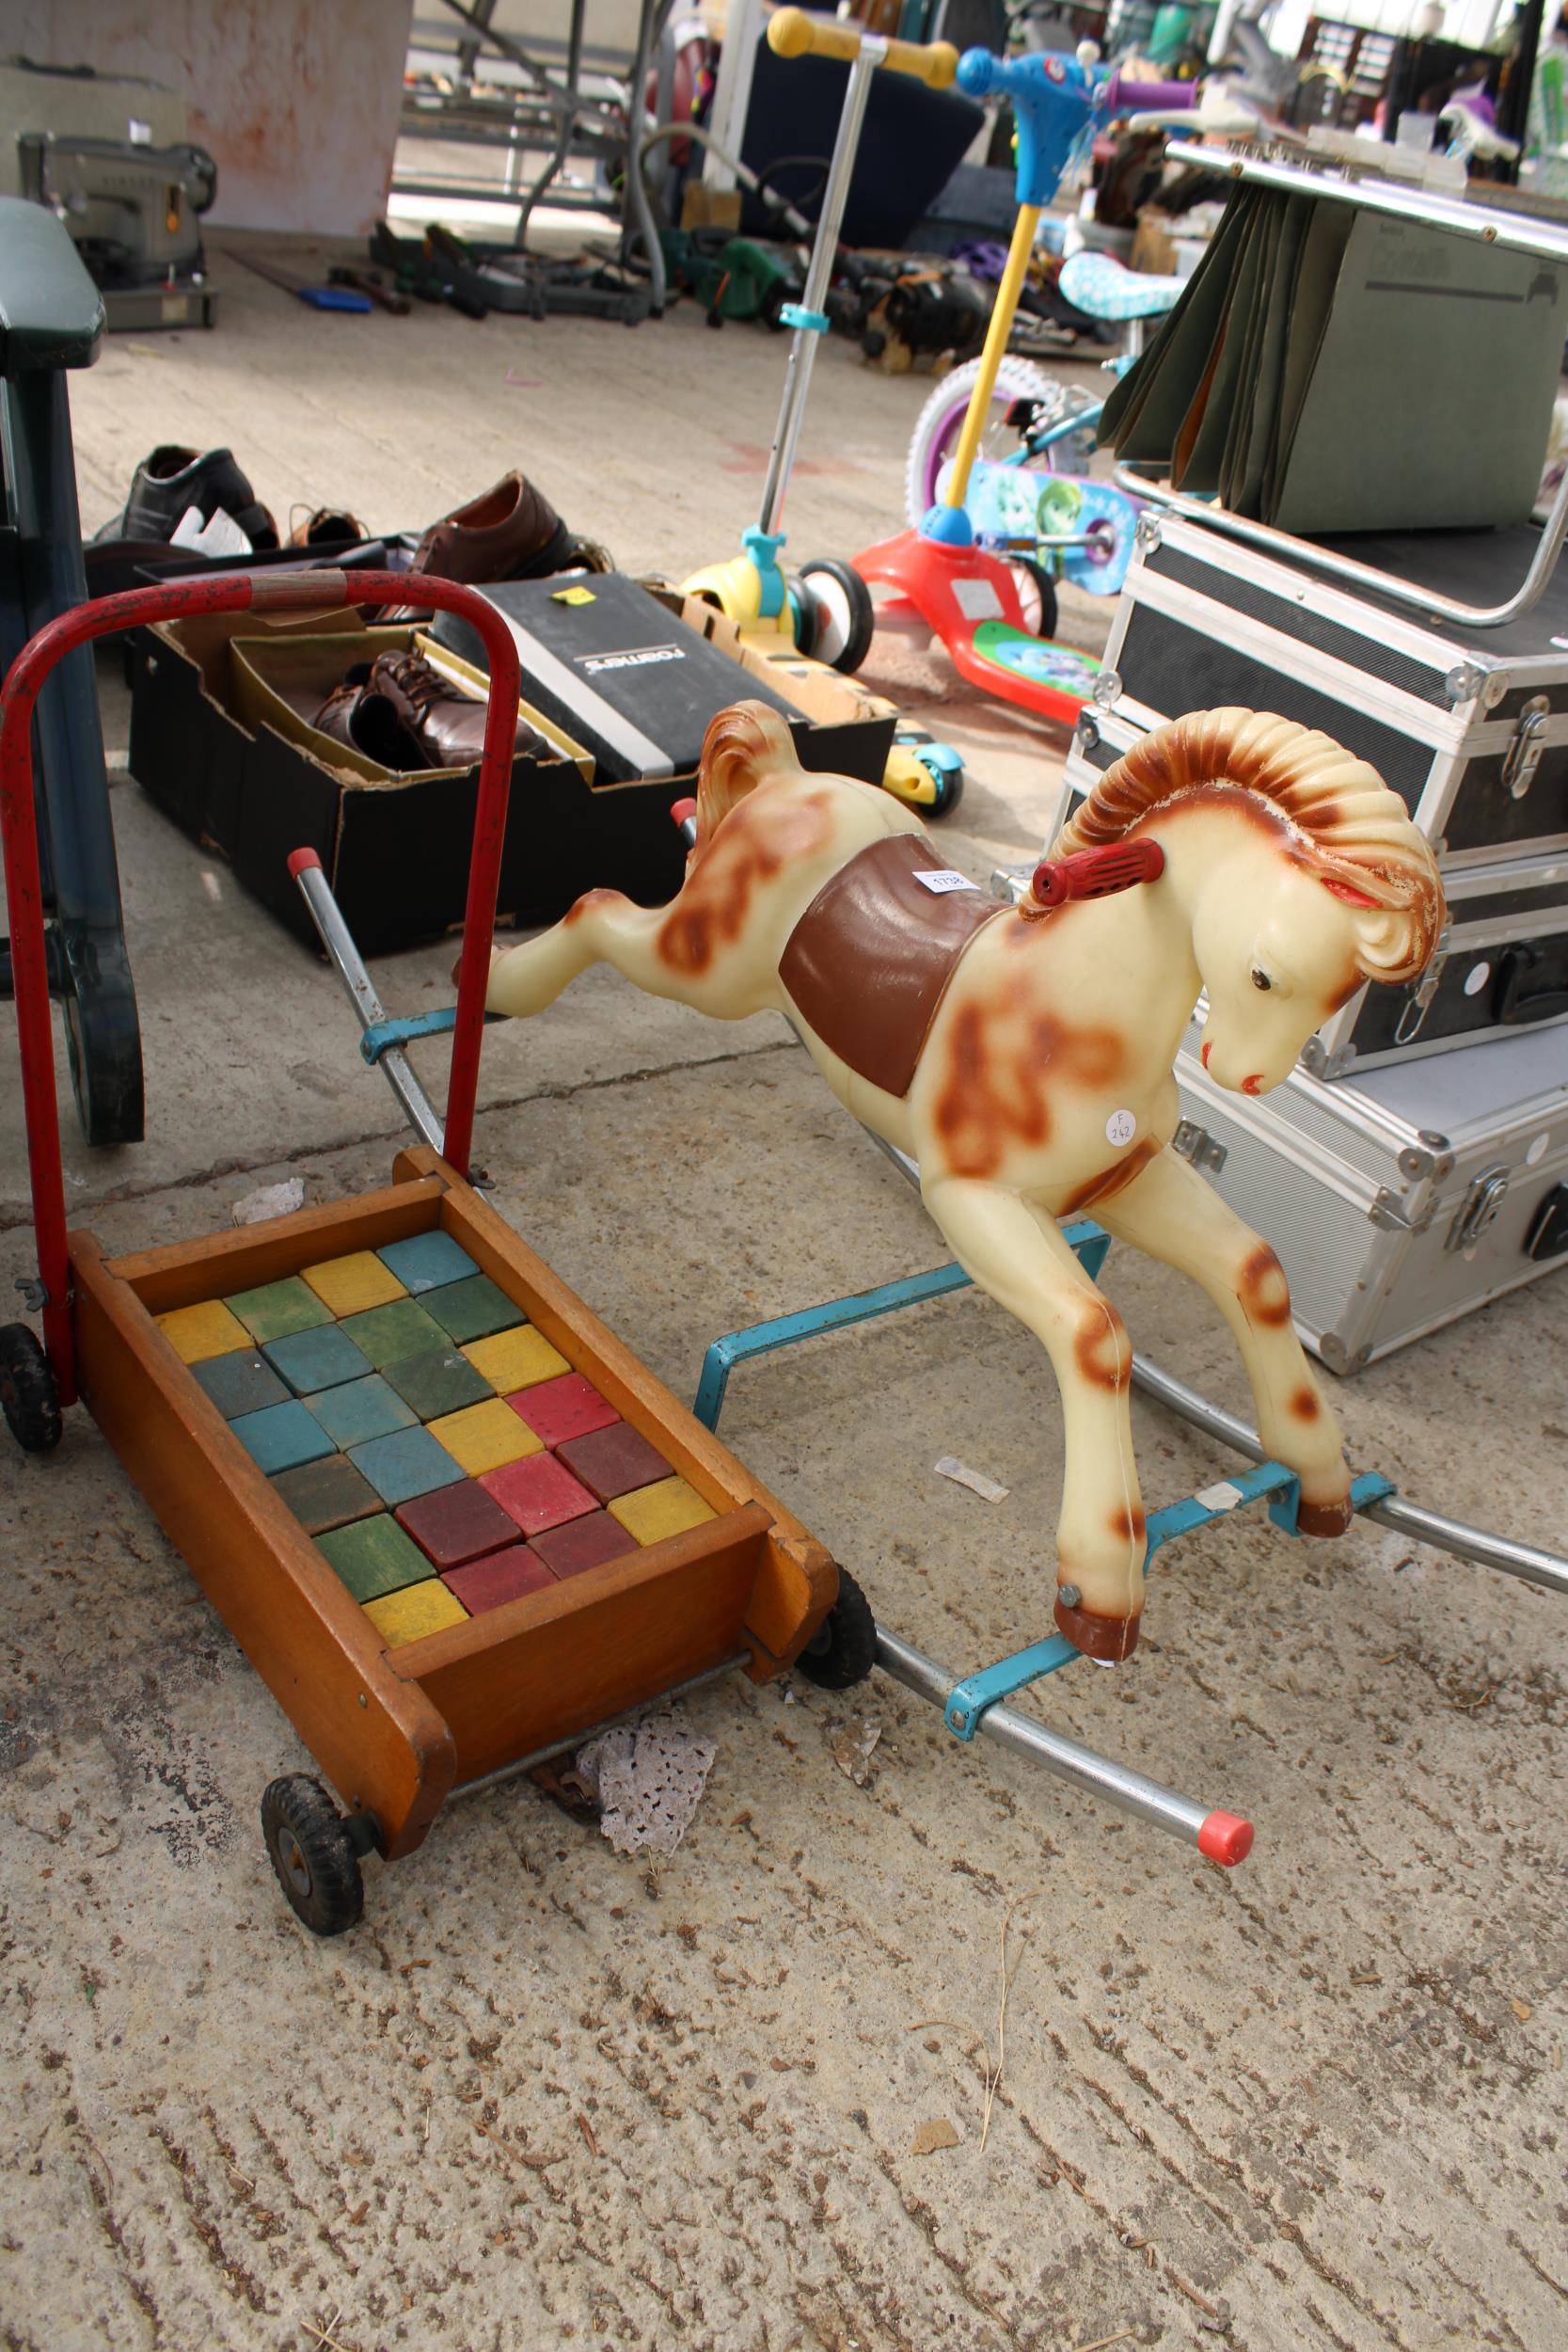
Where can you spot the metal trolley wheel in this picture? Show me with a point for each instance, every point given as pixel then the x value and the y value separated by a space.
pixel 313 1854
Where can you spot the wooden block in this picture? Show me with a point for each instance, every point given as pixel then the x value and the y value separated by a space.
pixel 505 1575
pixel 323 1359
pixel 281 1435
pixel 515 1360
pixel 375 1557
pixel 427 1262
pixel 653 1512
pixel 472 1310
pixel 407 1463
pixel 195 1333
pixel 612 1461
pixel 584 1543
pixel 538 1493
pixel 326 1494
pixel 398 1330
pixel 239 1383
pixel 568 1407
pixel 417 1610
pixel 278 1309
pixel 455 1524
pixel 361 1411
pixel 438 1382
pixel 484 1436
pixel 353 1285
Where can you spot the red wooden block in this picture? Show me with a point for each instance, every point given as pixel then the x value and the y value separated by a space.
pixel 486 1583
pixel 455 1524
pixel 567 1407
pixel 581 1544
pixel 538 1492
pixel 612 1461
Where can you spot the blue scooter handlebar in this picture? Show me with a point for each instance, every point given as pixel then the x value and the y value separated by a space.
pixel 1055 100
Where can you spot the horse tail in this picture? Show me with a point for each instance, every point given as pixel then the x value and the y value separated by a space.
pixel 742 745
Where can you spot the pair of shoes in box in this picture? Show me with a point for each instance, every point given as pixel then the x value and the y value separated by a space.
pixel 167 484
pixel 401 712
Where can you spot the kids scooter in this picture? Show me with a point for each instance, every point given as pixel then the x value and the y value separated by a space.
pixel 965 595
pixel 824 611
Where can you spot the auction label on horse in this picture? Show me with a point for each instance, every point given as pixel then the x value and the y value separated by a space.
pixel 1121 1127
pixel 941 878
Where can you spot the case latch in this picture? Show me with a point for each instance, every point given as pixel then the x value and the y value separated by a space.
pixel 1522 756
pixel 1420 995
pixel 1478 1209
pixel 1194 1143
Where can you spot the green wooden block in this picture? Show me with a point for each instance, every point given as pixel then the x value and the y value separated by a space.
pixel 361 1411
pixel 323 1359
pixel 374 1556
pixel 386 1333
pixel 440 1381
pixel 325 1494
pixel 278 1309
pixel 472 1310
pixel 241 1383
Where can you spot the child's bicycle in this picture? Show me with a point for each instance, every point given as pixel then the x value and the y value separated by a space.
pixel 1030 496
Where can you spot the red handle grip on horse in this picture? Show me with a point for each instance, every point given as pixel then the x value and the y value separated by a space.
pixel 1096 874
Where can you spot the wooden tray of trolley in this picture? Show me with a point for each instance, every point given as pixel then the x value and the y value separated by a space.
pixel 396 1730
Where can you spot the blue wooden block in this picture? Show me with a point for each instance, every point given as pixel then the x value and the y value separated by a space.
pixel 361 1411
pixel 282 1436
pixel 410 1462
pixel 427 1260
pixel 323 1359
pixel 239 1383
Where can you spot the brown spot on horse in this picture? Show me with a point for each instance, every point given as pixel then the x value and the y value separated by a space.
pixel 1132 1524
pixel 1307 1404
pixel 1264 1289
pixel 757 839
pixel 1110 1181
pixel 993 1093
pixel 1104 1350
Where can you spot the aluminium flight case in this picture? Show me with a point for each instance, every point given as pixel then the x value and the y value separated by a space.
pixel 1398 1199
pixel 1470 728
pixel 1501 964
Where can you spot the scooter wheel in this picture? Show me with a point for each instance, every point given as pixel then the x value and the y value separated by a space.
pixel 803 612
pixel 29 1395
pixel 1041 587
pixel 846 616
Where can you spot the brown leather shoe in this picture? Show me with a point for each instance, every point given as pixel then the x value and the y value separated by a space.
pixel 449 728
pixel 510 532
pixel 369 721
pixel 328 527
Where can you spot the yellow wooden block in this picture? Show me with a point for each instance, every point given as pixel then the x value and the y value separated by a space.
pixel 352 1285
pixel 417 1610
pixel 652 1512
pixel 515 1360
pixel 484 1436
pixel 195 1333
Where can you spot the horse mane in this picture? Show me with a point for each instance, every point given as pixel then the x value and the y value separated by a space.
pixel 1341 817
pixel 741 745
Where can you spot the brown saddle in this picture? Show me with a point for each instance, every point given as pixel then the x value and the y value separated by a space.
pixel 868 962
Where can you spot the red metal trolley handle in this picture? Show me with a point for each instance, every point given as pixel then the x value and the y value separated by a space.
pixel 269 592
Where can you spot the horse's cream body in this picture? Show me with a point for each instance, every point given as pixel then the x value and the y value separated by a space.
pixel 1044 1086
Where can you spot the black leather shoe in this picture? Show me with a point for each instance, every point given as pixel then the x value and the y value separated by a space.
pixel 170 480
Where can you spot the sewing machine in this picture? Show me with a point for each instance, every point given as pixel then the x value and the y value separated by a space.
pixel 131 212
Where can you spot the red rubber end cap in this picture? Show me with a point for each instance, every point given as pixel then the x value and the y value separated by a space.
pixel 1226 1838
pixel 302 860
pixel 681 810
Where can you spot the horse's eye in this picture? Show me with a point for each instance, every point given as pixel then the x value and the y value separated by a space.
pixel 1260 980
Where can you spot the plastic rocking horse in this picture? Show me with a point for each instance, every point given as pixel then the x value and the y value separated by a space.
pixel 1023 1057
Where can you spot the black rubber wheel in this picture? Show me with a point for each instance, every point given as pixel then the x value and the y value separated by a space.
pixel 847 619
pixel 842 1650
pixel 29 1395
pixel 1045 588
pixel 312 1854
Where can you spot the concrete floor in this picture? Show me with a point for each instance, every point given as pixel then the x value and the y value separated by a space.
pixel 545 2096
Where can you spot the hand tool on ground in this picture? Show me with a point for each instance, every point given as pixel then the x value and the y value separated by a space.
pixel 319 297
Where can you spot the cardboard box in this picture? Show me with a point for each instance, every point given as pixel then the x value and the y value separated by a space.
pixel 396 848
